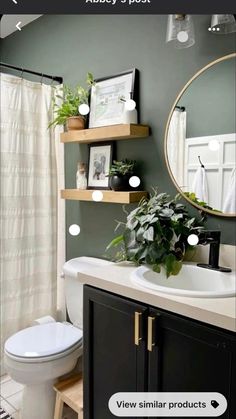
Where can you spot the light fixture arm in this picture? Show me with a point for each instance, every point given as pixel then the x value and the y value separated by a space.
pixel 179 17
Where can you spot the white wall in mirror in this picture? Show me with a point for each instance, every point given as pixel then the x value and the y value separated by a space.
pixel 219 165
pixel 202 125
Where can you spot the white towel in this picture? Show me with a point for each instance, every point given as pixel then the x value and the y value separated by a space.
pixel 229 206
pixel 200 186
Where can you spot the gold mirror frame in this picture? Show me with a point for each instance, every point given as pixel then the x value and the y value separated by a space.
pixel 211 64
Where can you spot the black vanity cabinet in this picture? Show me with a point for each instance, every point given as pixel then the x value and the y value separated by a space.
pixel 133 347
pixel 188 356
pixel 112 361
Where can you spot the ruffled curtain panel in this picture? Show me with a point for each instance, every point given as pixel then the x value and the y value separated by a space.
pixel 29 204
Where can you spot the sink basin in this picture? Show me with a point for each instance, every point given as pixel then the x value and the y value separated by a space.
pixel 192 281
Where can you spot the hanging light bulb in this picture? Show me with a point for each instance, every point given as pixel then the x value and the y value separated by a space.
pixel 222 24
pixel 180 29
pixel 130 105
pixel 130 111
pixel 84 109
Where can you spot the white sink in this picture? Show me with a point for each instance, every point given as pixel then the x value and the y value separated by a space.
pixel 192 281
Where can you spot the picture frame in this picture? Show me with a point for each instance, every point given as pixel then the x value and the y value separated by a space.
pixel 106 108
pixel 100 159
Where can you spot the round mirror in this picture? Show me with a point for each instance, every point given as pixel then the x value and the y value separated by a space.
pixel 200 140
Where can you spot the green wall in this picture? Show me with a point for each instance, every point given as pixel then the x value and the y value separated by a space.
pixel 210 101
pixel 71 45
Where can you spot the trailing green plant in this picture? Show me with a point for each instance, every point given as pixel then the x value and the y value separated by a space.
pixel 192 196
pixel 156 233
pixel 122 168
pixel 70 99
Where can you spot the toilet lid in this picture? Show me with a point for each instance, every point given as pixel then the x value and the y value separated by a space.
pixel 43 340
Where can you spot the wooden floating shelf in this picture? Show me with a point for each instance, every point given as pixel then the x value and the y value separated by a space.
pixel 113 132
pixel 108 196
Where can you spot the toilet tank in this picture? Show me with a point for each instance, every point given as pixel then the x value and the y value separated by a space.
pixel 74 289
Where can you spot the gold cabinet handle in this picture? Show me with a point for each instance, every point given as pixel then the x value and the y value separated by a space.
pixel 137 338
pixel 150 343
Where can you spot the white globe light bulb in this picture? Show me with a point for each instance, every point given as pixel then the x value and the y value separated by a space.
pixel 134 181
pixel 74 230
pixel 214 145
pixel 193 239
pixel 130 105
pixel 182 36
pixel 97 196
pixel 84 109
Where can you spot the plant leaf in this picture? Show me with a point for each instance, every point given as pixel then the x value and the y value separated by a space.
pixel 132 223
pixel 172 265
pixel 149 234
pixel 129 239
pixel 115 242
pixel 156 268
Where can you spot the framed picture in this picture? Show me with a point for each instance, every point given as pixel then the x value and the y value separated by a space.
pixel 107 98
pixel 100 160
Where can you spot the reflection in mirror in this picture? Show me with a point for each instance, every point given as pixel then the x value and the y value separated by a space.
pixel 201 139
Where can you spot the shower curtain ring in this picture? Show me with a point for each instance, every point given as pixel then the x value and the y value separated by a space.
pixel 52 81
pixel 41 81
pixel 22 72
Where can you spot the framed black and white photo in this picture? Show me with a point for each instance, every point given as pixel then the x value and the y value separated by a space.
pixel 108 96
pixel 100 160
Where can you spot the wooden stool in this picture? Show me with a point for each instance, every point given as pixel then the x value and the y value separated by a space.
pixel 69 391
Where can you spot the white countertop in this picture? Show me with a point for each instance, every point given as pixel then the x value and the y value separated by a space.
pixel 115 278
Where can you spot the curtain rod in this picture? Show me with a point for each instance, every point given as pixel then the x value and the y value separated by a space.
pixel 24 70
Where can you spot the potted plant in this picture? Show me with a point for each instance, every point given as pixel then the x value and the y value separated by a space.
pixel 156 233
pixel 67 112
pixel 120 173
pixel 192 196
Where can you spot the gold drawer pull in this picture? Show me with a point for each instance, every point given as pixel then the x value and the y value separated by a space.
pixel 150 343
pixel 137 338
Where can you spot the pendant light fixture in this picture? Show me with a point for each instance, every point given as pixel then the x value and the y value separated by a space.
pixel 180 30
pixel 222 24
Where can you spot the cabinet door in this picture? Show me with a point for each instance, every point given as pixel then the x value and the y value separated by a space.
pixel 189 356
pixel 112 361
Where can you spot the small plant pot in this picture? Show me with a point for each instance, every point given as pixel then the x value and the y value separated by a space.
pixel 75 123
pixel 120 183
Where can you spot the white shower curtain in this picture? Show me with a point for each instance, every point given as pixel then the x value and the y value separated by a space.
pixel 29 204
pixel 176 145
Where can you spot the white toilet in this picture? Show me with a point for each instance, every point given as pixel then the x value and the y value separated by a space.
pixel 38 355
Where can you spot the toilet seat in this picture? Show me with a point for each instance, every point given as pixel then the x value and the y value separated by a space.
pixel 44 342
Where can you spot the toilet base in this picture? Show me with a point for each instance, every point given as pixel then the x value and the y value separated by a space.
pixel 38 401
pixel 38 375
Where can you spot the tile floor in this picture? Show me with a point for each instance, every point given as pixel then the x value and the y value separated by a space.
pixel 10 399
pixel 10 396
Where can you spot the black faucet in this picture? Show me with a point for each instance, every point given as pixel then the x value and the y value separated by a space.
pixel 213 239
